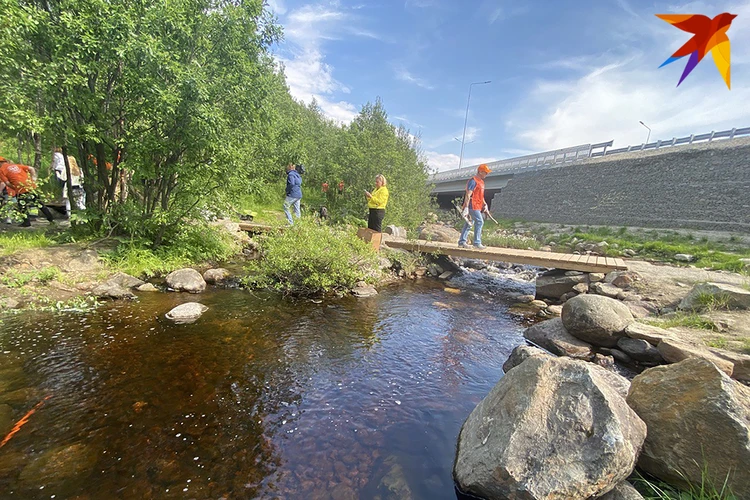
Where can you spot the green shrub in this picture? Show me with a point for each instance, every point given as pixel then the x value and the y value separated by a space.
pixel 17 279
pixel 308 259
pixel 193 244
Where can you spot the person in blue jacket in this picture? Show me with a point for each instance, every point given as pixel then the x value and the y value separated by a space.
pixel 293 192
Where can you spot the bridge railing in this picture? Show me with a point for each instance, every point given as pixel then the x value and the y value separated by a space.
pixel 550 159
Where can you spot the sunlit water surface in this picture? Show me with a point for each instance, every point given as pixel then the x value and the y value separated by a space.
pixel 262 397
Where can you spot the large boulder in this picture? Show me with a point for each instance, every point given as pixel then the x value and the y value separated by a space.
pixel 554 286
pixel 596 319
pixel 721 295
pixel 607 289
pixel 521 354
pixel 698 425
pixel 187 312
pixel 437 232
pixel 553 336
pixel 552 428
pixel 186 280
pixel 674 351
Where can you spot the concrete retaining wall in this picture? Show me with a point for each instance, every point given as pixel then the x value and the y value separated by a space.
pixel 705 186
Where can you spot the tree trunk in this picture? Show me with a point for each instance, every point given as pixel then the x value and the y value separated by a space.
pixel 20 148
pixel 37 151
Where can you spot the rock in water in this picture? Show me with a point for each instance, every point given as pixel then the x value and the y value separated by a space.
pixel 216 275
pixel 552 428
pixel 111 290
pixel 596 319
pixel 698 425
pixel 187 313
pixel 186 280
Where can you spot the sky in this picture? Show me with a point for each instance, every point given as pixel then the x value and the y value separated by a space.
pixel 562 73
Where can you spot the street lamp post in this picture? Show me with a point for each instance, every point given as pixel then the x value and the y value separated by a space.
pixel 466 119
pixel 649 131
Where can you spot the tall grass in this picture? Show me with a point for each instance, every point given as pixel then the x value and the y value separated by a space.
pixel 11 243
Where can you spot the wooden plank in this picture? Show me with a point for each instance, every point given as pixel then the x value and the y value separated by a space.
pixel 252 227
pixel 542 259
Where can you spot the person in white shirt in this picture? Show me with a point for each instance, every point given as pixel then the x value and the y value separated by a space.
pixel 58 166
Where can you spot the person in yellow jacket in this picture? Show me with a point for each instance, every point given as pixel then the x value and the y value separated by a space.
pixel 376 202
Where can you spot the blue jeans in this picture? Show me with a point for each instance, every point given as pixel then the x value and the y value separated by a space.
pixel 478 223
pixel 291 202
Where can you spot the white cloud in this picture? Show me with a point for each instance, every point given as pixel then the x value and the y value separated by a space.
pixel 441 162
pixel 405 76
pixel 309 77
pixel 607 101
pixel 277 6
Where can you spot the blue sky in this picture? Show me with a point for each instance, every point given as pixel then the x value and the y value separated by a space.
pixel 563 73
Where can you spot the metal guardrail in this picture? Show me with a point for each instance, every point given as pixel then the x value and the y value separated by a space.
pixel 558 157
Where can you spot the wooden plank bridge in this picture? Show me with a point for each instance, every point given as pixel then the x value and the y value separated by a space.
pixel 571 262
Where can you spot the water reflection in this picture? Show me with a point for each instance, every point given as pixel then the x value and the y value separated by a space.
pixel 262 397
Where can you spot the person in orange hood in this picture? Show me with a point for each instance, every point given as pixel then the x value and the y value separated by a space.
pixel 473 207
pixel 19 181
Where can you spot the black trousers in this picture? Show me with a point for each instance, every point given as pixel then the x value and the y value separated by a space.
pixel 28 200
pixel 375 220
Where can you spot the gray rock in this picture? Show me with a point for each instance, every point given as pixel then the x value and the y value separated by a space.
pixel 581 288
pixel 651 334
pixel 683 257
pixel 623 491
pixel 364 290
pixel 745 263
pixel 147 287
pixel 85 261
pixel 436 232
pixel 724 295
pixel 555 310
pixel 596 319
pixel 8 303
pixel 186 280
pixel 640 350
pixel 620 356
pixel 110 290
pixel 674 351
pixel 629 252
pixel 567 296
pixel 698 425
pixel 554 286
pixel 596 277
pixel 187 312
pixel 525 299
pixel 552 428
pixel 521 354
pixel 125 280
pixel 538 304
pixel 395 231
pixel 217 275
pixel 446 275
pixel 553 336
pixel 741 362
pixel 641 309
pixel 606 289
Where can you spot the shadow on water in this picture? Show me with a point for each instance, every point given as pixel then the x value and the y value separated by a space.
pixel 261 397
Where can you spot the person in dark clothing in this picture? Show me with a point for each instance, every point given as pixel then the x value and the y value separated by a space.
pixel 293 193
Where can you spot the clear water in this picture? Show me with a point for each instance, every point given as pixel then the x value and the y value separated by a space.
pixel 262 397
